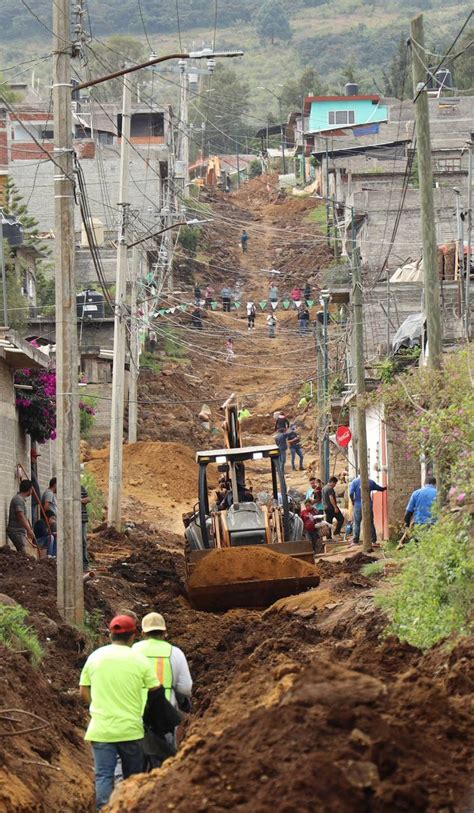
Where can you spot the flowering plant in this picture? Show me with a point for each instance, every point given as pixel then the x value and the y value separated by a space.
pixel 37 408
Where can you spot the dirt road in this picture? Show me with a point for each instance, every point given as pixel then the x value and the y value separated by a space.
pixel 304 707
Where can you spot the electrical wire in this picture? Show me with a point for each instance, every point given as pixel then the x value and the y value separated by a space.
pixel 440 63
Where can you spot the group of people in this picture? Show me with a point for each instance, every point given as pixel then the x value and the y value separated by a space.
pixel 41 531
pixel 137 692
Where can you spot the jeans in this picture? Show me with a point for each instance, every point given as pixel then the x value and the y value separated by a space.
pixel 358 521
pixel 226 305
pixel 282 460
pixel 330 513
pixel 303 324
pixel 19 540
pixel 85 553
pixel 296 450
pixel 105 759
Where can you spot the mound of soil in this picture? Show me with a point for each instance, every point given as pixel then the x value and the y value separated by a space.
pixel 231 565
pixel 154 472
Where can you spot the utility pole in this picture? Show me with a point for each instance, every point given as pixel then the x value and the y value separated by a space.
pixel 430 271
pixel 4 273
pixel 183 135
pixel 360 391
pixel 467 296
pixel 70 584
pixel 114 516
pixel 238 167
pixel 283 136
pixel 134 350
pixel 325 299
pixel 328 201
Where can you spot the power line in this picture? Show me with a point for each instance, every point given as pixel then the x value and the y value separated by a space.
pixel 438 66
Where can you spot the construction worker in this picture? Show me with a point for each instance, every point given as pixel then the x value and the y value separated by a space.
pixel 209 296
pixel 294 442
pixel 19 527
pixel 244 238
pixel 420 504
pixel 331 508
pixel 310 518
pixel 272 323
pixel 36 492
pixel 282 443
pixel 112 683
pixel 355 494
pixel 168 661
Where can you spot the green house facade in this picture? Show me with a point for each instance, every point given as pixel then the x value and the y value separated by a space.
pixel 328 114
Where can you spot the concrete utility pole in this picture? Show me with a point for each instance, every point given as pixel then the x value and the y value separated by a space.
pixel 134 350
pixel 183 134
pixel 70 585
pixel 360 390
pixel 4 274
pixel 114 517
pixel 467 296
pixel 423 146
pixel 325 299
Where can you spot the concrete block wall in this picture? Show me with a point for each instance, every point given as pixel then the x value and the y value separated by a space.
pixel 404 472
pixel 16 449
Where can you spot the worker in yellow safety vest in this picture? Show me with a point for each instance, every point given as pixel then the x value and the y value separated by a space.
pixel 168 661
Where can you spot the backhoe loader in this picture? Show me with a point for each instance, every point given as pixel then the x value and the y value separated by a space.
pixel 243 521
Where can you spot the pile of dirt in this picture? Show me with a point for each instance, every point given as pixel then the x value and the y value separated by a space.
pixel 289 735
pixel 231 565
pixel 154 472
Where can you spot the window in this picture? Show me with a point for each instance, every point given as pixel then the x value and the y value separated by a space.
pixel 341 117
pixel 448 164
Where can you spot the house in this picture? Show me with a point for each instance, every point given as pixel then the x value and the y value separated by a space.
pixel 16 354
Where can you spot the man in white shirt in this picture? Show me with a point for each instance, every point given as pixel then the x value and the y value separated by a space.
pixel 168 661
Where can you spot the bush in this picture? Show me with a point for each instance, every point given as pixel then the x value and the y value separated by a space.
pixel 189 238
pixel 255 168
pixel 87 408
pixel 432 596
pixel 96 506
pixel 16 634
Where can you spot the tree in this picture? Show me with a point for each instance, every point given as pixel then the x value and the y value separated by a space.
pixel 397 78
pixel 8 95
pixel 349 72
pixel 294 91
pixel 272 23
pixel 111 56
pixel 463 66
pixel 222 111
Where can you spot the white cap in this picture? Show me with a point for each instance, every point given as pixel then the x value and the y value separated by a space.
pixel 153 622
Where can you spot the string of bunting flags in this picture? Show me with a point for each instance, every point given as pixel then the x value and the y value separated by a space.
pixel 235 306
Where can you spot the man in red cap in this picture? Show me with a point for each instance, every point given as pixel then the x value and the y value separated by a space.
pixel 112 683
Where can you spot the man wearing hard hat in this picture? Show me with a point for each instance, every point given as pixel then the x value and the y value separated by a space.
pixel 169 662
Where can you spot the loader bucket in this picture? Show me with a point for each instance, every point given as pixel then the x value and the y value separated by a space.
pixel 252 576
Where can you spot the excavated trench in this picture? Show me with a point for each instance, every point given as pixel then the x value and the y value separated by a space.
pixel 304 706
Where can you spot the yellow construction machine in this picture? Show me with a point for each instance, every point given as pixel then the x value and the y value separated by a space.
pixel 247 521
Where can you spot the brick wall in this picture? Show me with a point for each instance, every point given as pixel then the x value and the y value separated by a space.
pixel 404 470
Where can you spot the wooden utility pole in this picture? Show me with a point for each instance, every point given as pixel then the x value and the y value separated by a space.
pixel 467 292
pixel 70 585
pixel 134 350
pixel 431 285
pixel 358 327
pixel 325 299
pixel 114 517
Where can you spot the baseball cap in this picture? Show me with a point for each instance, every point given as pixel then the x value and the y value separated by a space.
pixel 122 623
pixel 153 622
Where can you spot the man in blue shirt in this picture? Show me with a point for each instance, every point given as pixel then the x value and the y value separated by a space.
pixel 420 504
pixel 281 440
pixel 355 494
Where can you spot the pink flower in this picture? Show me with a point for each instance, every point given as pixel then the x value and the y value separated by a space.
pixel 53 435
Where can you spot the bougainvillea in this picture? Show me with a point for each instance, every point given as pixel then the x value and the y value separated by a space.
pixel 37 407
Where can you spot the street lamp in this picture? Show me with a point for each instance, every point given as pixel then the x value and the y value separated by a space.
pixel 282 129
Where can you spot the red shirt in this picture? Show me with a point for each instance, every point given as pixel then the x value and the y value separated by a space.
pixel 309 518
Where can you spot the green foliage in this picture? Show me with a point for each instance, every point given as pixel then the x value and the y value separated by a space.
pixel 432 596
pixel 272 23
pixel 189 238
pixel 374 568
pixel 463 67
pixel 95 509
pixel 295 90
pixel 87 409
pixel 173 347
pixel 148 361
pixel 111 56
pixel 255 168
pixel 387 369
pixel 16 634
pixel 13 205
pixel 397 80
pixel 222 111
pixel 435 409
pixel 45 288
pixel 94 628
pixel 17 304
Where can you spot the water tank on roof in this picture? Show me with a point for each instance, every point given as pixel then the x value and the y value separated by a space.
pixel 90 305
pixel 443 78
pixel 351 89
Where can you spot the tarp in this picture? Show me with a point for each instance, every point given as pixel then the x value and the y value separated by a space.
pixel 410 272
pixel 410 333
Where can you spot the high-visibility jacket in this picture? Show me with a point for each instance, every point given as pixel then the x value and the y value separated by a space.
pixel 160 653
